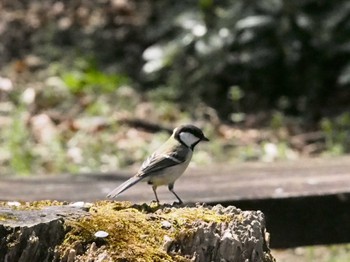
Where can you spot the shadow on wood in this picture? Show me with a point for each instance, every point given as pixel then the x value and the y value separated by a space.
pixel 301 221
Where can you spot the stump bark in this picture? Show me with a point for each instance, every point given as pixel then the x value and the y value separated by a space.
pixel 180 233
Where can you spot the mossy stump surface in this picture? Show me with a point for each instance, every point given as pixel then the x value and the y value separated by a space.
pixel 55 231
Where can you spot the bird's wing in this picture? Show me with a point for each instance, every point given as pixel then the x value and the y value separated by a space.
pixel 158 160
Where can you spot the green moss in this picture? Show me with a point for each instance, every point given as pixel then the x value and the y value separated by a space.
pixel 135 231
pixel 7 216
pixel 34 205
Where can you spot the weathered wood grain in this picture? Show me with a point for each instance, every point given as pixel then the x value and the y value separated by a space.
pixel 31 235
pixel 35 235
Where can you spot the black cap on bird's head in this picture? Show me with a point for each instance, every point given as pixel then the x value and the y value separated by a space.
pixel 189 135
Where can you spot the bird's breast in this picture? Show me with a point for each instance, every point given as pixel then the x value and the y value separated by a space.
pixel 168 175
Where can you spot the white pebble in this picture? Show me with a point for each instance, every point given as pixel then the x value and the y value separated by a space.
pixel 166 224
pixel 101 234
pixel 77 204
pixel 13 203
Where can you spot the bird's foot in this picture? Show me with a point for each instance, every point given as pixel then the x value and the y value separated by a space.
pixel 178 203
pixel 154 203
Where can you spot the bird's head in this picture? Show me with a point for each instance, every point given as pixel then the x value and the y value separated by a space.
pixel 189 135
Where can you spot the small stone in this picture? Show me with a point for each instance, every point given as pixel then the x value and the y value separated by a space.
pixel 13 203
pixel 78 204
pixel 101 234
pixel 81 204
pixel 166 224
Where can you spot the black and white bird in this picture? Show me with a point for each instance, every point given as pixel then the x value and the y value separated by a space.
pixel 168 163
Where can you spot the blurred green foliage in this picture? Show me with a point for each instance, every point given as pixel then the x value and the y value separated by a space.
pixel 171 62
pixel 287 55
pixel 17 137
pixel 86 77
pixel 271 49
pixel 337 134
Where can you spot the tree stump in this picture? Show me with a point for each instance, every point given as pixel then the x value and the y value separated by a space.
pixel 56 231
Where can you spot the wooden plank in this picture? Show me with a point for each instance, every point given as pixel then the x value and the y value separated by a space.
pixel 305 202
pixel 217 183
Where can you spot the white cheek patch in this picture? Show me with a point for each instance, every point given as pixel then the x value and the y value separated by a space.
pixel 188 139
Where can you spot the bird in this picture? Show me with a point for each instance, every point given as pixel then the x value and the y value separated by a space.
pixel 168 163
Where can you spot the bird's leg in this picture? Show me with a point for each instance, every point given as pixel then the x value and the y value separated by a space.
pixel 171 189
pixel 155 193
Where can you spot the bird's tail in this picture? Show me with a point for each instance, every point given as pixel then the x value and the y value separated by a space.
pixel 120 189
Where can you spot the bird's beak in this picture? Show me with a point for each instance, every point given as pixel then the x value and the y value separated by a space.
pixel 205 138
